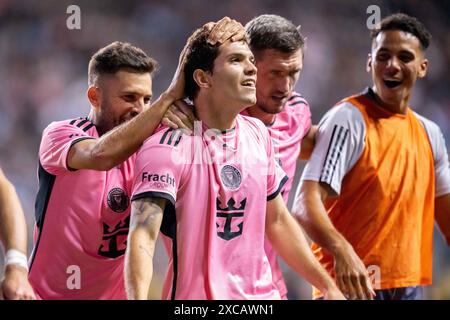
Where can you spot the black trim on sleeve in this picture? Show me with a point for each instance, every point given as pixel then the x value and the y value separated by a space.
pixel 282 183
pixel 71 145
pixel 154 194
pixel 168 225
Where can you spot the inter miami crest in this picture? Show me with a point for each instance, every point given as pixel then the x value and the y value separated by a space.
pixel 118 200
pixel 231 177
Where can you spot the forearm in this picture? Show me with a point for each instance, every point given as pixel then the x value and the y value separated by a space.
pixel 146 218
pixel 120 143
pixel 312 216
pixel 13 230
pixel 298 254
pixel 139 265
pixel 442 216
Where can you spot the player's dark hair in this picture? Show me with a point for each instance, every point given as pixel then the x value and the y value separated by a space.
pixel 406 23
pixel 270 31
pixel 201 55
pixel 118 56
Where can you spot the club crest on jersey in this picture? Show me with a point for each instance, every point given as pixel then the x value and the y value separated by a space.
pixel 118 200
pixel 231 177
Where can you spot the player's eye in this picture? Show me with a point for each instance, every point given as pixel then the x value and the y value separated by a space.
pixel 129 97
pixel 294 74
pixel 147 100
pixel 383 57
pixel 406 57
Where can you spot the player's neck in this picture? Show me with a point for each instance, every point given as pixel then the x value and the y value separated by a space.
pixel 100 125
pixel 215 115
pixel 401 108
pixel 257 112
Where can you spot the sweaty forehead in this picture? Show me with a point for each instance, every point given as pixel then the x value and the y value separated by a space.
pixel 396 40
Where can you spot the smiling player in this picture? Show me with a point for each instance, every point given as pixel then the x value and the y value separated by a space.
pixel 381 172
pixel 215 214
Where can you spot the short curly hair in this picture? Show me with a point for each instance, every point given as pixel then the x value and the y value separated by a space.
pixel 406 23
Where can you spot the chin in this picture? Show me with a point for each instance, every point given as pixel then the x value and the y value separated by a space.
pixel 273 109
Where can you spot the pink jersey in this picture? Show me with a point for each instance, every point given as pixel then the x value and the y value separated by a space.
pixel 287 132
pixel 82 221
pixel 217 186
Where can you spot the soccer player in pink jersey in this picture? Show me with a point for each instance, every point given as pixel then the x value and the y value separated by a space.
pixel 86 166
pixel 278 47
pixel 13 235
pixel 215 195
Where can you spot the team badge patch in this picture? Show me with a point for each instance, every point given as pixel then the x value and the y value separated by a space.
pixel 231 177
pixel 118 200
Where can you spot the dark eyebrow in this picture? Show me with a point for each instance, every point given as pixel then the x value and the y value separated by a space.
pixel 239 55
pixel 134 93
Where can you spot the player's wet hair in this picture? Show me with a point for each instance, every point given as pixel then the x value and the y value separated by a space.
pixel 119 56
pixel 270 31
pixel 406 23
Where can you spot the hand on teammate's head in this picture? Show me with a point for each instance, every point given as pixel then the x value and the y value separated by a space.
pixel 225 29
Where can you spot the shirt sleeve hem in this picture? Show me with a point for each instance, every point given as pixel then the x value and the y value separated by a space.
pixel 75 141
pixel 281 185
pixel 154 194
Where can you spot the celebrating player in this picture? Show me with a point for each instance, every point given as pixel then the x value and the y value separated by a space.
pixel 278 47
pixel 216 194
pixel 86 166
pixel 381 172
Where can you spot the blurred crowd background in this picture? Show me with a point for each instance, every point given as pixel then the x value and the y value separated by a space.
pixel 43 71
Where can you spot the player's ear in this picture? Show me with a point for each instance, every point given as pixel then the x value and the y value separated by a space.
pixel 423 68
pixel 94 96
pixel 202 78
pixel 369 63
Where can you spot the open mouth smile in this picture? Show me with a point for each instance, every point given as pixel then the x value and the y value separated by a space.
pixel 392 83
